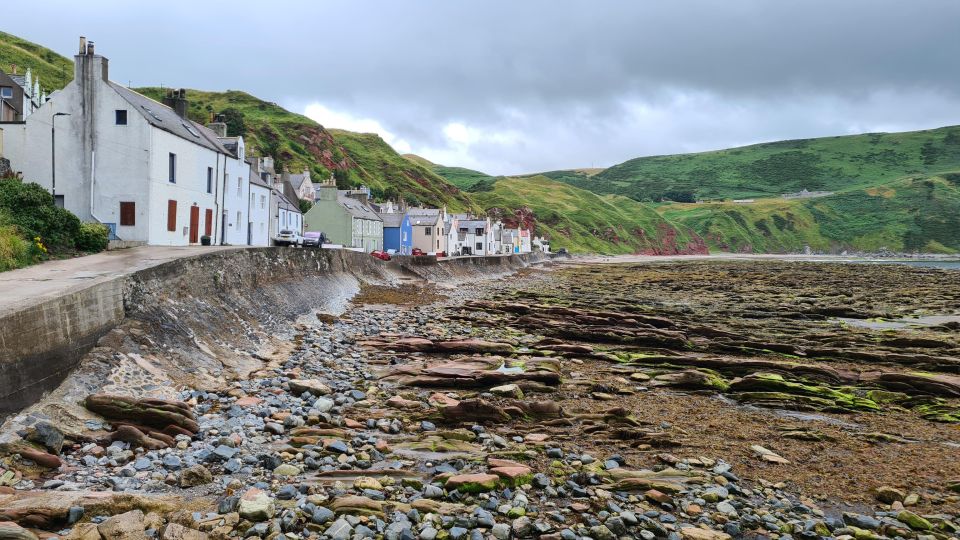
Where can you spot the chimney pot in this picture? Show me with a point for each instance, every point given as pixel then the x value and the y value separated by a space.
pixel 83 45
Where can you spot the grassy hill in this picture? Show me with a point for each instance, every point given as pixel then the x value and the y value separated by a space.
pixel 912 213
pixel 466 179
pixel 582 221
pixel 773 169
pixel 54 71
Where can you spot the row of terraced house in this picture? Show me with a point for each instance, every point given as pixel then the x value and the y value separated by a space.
pixel 154 176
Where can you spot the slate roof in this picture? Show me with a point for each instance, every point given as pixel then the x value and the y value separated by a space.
pixel 392 220
pixel 356 208
pixel 162 117
pixel 423 220
pixel 296 180
pixel 423 212
pixel 473 223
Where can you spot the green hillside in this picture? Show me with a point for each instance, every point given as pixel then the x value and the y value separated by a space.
pixel 379 166
pixel 913 213
pixel 773 169
pixel 54 70
pixel 466 179
pixel 582 221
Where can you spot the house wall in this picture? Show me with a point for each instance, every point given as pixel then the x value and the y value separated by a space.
pixel 259 215
pixel 236 200
pixel 328 217
pixel 391 239
pixel 406 236
pixel 101 164
pixel 367 234
pixel 95 159
pixel 189 190
pixel 429 243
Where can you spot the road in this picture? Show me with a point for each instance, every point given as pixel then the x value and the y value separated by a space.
pixel 34 284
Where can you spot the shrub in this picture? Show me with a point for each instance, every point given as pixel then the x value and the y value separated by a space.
pixel 30 209
pixel 92 237
pixel 14 251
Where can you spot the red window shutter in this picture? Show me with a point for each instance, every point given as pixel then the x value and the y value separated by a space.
pixel 171 215
pixel 128 214
pixel 208 225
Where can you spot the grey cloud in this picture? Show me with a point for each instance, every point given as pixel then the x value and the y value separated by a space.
pixel 577 70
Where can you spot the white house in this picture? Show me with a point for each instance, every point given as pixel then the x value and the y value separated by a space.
pixel 235 226
pixel 122 159
pixel 259 211
pixel 301 184
pixel 471 236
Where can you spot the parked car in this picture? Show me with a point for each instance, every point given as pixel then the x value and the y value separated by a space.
pixel 287 238
pixel 441 254
pixel 380 254
pixel 562 251
pixel 417 252
pixel 314 239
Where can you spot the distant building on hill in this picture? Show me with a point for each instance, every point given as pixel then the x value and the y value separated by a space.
pixel 20 95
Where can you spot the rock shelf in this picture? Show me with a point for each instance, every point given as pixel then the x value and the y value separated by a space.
pixel 691 400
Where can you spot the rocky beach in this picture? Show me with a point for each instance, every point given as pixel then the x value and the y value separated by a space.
pixel 697 399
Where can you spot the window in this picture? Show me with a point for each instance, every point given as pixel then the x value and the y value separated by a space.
pixel 172 215
pixel 238 219
pixel 239 187
pixel 478 230
pixel 172 165
pixel 479 246
pixel 263 201
pixel 128 214
pixel 6 92
pixel 209 179
pixel 58 201
pixel 121 117
pixel 428 231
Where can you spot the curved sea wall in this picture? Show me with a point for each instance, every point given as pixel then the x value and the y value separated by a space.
pixel 192 321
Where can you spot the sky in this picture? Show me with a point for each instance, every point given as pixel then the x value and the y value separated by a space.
pixel 522 86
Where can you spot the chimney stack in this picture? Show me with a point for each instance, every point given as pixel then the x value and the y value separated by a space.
pixel 87 65
pixel 177 100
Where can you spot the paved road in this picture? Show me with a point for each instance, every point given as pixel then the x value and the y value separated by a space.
pixel 28 286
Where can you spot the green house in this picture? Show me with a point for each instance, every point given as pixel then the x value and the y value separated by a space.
pixel 345 217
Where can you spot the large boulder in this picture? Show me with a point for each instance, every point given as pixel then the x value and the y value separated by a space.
pixel 197 475
pixel 174 531
pixel 46 434
pixel 315 387
pixel 256 505
pixel 12 531
pixel 126 526
pixel 155 413
pixel 473 483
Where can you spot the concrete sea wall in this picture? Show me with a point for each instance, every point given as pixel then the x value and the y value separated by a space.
pixel 189 317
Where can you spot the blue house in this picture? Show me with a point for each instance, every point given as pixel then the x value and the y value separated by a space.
pixel 397 233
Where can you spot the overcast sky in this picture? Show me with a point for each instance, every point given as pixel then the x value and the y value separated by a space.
pixel 514 86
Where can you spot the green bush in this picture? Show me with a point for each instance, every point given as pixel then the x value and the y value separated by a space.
pixel 92 237
pixel 15 252
pixel 30 209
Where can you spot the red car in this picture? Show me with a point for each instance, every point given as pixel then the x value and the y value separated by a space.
pixel 380 254
pixel 417 252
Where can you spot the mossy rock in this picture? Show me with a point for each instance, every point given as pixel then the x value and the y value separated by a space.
pixel 886 396
pixel 914 521
pixel 771 388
